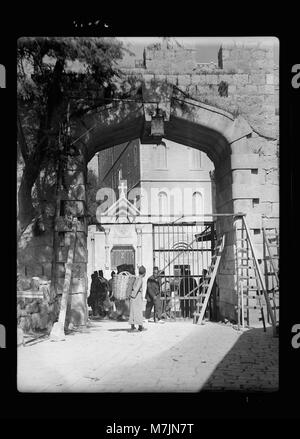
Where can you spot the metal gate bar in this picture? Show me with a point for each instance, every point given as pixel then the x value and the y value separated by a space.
pixel 181 251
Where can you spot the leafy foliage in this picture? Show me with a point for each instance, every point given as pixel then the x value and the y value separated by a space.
pixel 56 77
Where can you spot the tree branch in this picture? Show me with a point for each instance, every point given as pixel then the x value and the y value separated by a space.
pixel 22 140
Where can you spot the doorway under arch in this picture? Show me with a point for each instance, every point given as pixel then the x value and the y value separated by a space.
pixel 218 133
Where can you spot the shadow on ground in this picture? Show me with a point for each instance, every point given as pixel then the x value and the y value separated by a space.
pixel 250 365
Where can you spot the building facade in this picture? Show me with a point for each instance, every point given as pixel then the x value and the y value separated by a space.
pixel 153 184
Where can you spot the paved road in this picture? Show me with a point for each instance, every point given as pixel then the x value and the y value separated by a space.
pixel 171 357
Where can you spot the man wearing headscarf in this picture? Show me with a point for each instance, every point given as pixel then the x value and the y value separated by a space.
pixel 136 301
pixel 187 285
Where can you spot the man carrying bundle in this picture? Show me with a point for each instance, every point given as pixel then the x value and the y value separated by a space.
pixel 136 302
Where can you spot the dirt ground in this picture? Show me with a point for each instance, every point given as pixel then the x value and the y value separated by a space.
pixel 171 357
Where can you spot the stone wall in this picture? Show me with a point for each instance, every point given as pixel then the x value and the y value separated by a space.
pixel 246 81
pixel 244 84
pixel 36 309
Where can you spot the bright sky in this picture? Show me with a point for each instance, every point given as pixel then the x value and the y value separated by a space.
pixel 207 47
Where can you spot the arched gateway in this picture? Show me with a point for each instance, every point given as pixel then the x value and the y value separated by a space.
pixel 242 143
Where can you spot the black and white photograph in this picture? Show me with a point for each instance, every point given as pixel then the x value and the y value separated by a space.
pixel 148 214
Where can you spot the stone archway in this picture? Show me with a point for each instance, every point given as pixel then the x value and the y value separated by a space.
pixel 223 137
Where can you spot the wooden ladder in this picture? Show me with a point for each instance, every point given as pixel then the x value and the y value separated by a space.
pixel 248 286
pixel 250 281
pixel 57 332
pixel 203 298
pixel 271 257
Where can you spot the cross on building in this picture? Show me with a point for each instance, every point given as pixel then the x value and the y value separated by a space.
pixel 122 189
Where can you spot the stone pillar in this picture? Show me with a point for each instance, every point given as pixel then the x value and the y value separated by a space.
pixel 73 204
pixel 139 246
pixel 242 187
pixel 106 249
pixel 224 225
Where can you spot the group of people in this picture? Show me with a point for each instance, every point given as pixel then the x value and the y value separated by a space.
pixel 101 297
pixel 188 290
pixel 158 297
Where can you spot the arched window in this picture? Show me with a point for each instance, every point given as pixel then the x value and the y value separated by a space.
pixel 162 203
pixel 197 205
pixel 160 156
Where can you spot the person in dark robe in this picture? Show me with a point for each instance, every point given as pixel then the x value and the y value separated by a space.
pixel 102 293
pixel 136 301
pixel 93 297
pixel 187 285
pixel 153 297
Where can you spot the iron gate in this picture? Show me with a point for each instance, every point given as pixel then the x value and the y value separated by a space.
pixel 181 252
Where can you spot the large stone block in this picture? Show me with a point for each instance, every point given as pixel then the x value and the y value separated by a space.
pixel 245 161
pixel 212 79
pixel 257 78
pixel 249 89
pixel 232 89
pixel 269 193
pixel 184 80
pixel 264 208
pixel 275 209
pixel 269 162
pixel 254 220
pixel 240 79
pixel 270 80
pixel 272 177
pixel 243 205
pixel 246 191
pixel 271 223
pixel 242 176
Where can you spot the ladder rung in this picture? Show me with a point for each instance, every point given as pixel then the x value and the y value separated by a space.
pixel 252 307
pixel 240 249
